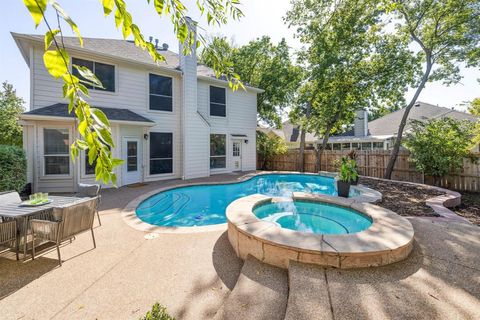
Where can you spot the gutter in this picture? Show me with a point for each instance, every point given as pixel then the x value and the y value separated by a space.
pixel 69 119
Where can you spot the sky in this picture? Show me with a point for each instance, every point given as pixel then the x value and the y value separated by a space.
pixel 262 17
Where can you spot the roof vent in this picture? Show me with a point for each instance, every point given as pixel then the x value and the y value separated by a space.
pixel 150 38
pixel 165 47
pixel 417 104
pixel 156 43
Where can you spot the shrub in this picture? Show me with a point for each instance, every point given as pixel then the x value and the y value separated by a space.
pixel 268 147
pixel 13 168
pixel 439 146
pixel 158 312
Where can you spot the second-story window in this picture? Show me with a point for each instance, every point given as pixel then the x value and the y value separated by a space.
pixel 104 72
pixel 218 105
pixel 160 93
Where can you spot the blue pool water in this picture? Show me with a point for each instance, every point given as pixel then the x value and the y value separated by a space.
pixel 313 217
pixel 205 204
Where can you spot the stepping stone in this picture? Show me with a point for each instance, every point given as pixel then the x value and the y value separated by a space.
pixel 260 293
pixel 308 297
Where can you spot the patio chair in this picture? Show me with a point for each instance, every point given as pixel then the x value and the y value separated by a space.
pixel 90 190
pixel 8 227
pixel 67 222
pixel 8 234
pixel 9 197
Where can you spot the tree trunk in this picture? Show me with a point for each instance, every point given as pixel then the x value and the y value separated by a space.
pixel 320 150
pixel 301 165
pixel 403 123
pixel 326 136
pixel 301 153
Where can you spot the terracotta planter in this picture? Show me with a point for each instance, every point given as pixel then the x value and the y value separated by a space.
pixel 343 188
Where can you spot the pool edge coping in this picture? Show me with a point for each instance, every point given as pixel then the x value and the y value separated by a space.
pixel 131 219
pixel 389 239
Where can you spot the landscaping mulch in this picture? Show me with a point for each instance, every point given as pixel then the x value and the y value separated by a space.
pixel 404 199
pixel 470 207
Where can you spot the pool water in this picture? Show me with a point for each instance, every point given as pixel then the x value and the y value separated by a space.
pixel 204 205
pixel 313 217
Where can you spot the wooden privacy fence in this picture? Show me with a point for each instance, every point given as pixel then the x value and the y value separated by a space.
pixel 372 163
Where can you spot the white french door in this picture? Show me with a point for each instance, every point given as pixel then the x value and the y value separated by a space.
pixel 237 155
pixel 132 160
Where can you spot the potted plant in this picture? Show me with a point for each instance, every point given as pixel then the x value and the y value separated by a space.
pixel 347 175
pixel 352 155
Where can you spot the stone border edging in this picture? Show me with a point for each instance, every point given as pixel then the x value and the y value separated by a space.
pixel 439 204
pixel 129 216
pixel 389 239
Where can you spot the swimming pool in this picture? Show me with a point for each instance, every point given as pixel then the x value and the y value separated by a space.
pixel 313 217
pixel 203 205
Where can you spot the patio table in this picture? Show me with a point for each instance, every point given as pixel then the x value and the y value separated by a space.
pixel 22 214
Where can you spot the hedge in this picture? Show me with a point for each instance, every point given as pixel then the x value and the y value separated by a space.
pixel 13 168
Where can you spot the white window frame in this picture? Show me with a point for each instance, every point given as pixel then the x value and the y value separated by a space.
pixel 226 103
pixel 218 156
pixel 173 155
pixel 115 74
pixel 42 152
pixel 160 95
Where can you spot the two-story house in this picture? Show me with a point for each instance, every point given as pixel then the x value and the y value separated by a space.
pixel 173 119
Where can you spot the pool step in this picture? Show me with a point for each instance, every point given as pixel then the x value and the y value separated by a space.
pixel 261 292
pixel 308 297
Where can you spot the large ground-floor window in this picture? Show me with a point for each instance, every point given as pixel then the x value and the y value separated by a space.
pixel 218 153
pixel 56 151
pixel 161 152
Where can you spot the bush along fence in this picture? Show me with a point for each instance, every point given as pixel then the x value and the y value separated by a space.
pixel 372 163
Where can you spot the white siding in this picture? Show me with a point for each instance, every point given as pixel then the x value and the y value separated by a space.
pixel 196 143
pixel 132 92
pixel 191 142
pixel 241 119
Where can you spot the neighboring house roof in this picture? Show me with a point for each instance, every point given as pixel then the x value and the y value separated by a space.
pixel 388 124
pixel 126 50
pixel 61 110
pixel 292 133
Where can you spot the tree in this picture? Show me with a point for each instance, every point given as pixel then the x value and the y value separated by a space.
pixel 439 146
pixel 474 107
pixel 262 64
pixel 11 106
pixel 93 125
pixel 269 146
pixel 350 61
pixel 446 33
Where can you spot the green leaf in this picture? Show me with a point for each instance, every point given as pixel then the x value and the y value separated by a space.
pixel 107 6
pixel 159 4
pixel 92 155
pixel 68 20
pixel 49 36
pixel 100 117
pixel 182 32
pixel 36 9
pixel 118 18
pixel 89 75
pixel 117 162
pixel 82 127
pixel 55 62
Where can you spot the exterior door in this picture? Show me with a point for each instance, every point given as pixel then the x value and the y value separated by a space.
pixel 237 155
pixel 131 156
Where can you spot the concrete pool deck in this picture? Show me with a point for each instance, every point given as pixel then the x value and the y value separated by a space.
pixel 192 274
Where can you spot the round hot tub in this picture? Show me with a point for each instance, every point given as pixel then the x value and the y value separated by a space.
pixel 313 217
pixel 317 229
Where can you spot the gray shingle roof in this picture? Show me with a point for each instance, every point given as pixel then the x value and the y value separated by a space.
pixel 388 124
pixel 126 49
pixel 61 110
